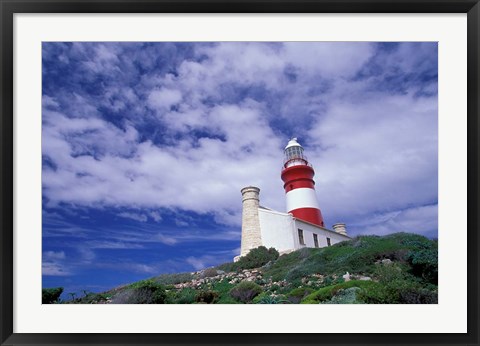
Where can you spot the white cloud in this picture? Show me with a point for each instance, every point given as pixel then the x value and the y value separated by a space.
pixel 155 215
pixel 86 253
pixel 134 216
pixel 422 220
pixel 54 269
pixel 201 262
pixel 339 59
pixel 164 98
pixel 166 240
pixel 54 255
pixel 213 258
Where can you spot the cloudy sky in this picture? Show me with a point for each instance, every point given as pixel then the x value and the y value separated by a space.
pixel 147 145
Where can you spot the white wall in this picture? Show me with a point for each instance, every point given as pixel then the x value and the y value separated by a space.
pixel 309 230
pixel 280 230
pixel 276 229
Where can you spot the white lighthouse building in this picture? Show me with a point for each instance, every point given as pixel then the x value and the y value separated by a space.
pixel 302 225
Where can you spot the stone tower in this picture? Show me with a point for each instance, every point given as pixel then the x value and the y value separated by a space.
pixel 340 228
pixel 251 235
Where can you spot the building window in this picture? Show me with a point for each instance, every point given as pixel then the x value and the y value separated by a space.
pixel 300 237
pixel 315 240
pixel 328 242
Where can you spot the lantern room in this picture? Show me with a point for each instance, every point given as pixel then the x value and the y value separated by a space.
pixel 294 154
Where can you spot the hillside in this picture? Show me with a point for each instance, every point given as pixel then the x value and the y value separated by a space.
pixel 401 268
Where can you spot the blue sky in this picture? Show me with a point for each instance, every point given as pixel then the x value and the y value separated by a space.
pixel 146 147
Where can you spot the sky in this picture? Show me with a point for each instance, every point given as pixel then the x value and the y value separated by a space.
pixel 146 146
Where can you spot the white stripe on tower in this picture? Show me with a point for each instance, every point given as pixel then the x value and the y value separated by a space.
pixel 301 198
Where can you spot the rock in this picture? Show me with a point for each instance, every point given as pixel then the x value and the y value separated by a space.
pixel 346 277
pixel 220 272
pixel 386 261
pixel 365 278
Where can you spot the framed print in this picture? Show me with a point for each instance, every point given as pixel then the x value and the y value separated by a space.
pixel 239 172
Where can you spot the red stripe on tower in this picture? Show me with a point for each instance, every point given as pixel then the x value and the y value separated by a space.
pixel 297 175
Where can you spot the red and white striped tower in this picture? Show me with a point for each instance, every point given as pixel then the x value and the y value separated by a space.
pixel 297 174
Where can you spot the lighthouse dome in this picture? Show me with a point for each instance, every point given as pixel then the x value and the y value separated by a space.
pixel 293 143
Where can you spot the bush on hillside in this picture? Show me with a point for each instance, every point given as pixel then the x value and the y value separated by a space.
pixel 418 295
pixel 257 257
pixel 208 273
pixel 51 295
pixel 344 296
pixel 266 299
pixel 245 291
pixel 208 297
pixel 327 293
pixel 172 279
pixel 142 292
pixel 395 286
pixel 424 264
pixel 297 294
pixel 184 296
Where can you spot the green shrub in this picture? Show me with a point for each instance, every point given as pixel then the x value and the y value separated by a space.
pixel 389 273
pixel 51 295
pixel 185 296
pixel 272 300
pixel 424 264
pixel 278 271
pixel 297 294
pixel 227 267
pixel 387 291
pixel 261 296
pixel 257 257
pixel 227 299
pixel 396 286
pixel 326 293
pixel 223 287
pixel 245 291
pixel 344 296
pixel 142 292
pixel 415 295
pixel 380 294
pixel 172 279
pixel 328 281
pixel 208 297
pixel 208 273
pixel 296 274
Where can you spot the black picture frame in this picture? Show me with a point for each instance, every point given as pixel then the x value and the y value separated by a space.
pixel 10 7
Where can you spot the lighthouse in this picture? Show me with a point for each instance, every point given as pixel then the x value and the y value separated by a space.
pixel 297 175
pixel 302 225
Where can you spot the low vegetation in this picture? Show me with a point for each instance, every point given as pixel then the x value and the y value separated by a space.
pixel 256 258
pixel 51 295
pixel 401 268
